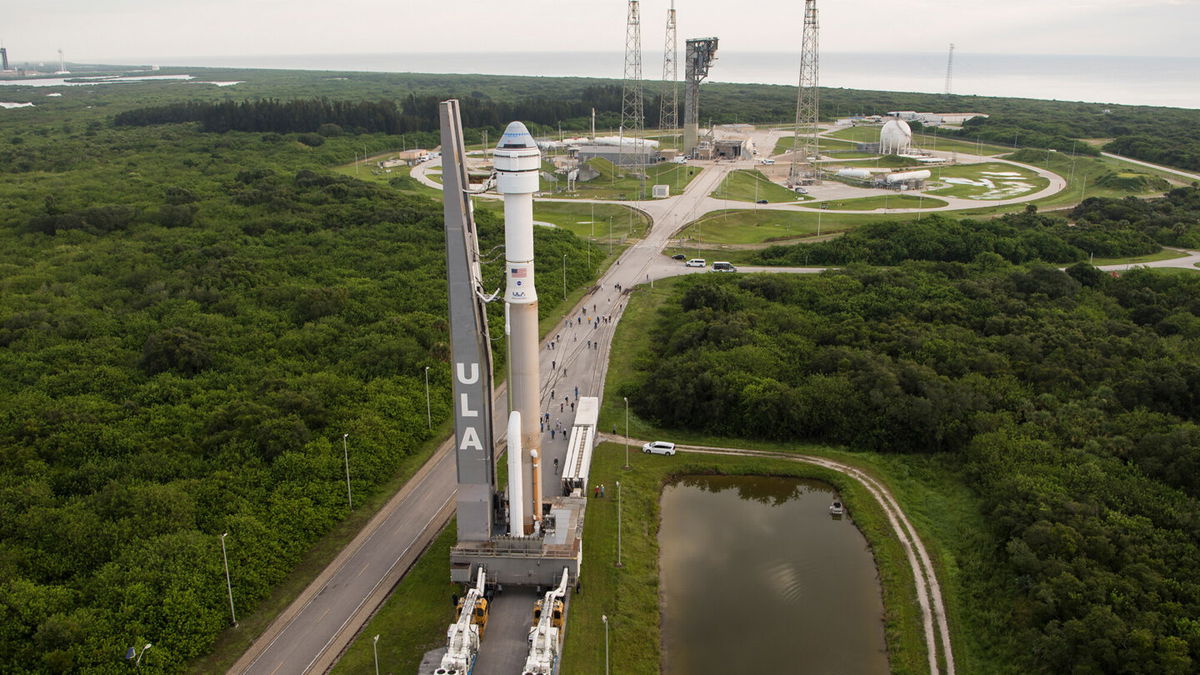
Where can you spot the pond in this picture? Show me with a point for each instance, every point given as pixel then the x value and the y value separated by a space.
pixel 758 577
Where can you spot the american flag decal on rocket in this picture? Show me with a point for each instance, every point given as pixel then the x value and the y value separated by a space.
pixel 517 272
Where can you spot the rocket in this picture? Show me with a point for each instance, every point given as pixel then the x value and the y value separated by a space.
pixel 517 162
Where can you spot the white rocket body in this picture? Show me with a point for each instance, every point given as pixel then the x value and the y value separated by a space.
pixel 517 162
pixel 516 493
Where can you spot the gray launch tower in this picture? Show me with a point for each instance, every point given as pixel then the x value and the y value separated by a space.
pixel 470 345
pixel 700 54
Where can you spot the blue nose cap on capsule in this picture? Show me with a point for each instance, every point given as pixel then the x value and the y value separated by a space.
pixel 516 136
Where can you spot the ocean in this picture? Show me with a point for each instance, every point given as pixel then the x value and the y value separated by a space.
pixel 1105 79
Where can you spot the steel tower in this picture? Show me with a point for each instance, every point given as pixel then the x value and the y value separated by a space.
pixel 633 118
pixel 668 112
pixel 949 68
pixel 805 144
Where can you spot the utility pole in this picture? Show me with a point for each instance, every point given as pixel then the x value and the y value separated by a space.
pixel 346 457
pixel 228 583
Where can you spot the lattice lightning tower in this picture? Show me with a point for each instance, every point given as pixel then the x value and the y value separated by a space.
pixel 668 112
pixel 805 145
pixel 633 119
pixel 949 68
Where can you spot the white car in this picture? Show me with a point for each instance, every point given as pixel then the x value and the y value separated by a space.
pixel 659 448
pixel 696 262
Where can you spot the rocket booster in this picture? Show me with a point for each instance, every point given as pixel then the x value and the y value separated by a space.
pixel 517 161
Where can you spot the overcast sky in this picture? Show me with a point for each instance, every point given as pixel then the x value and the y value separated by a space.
pixel 92 31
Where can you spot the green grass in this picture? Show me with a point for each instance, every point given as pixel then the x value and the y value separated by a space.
pixel 618 185
pixel 1164 254
pixel 862 134
pixel 414 618
pixel 897 201
pixel 784 145
pixel 851 154
pixel 976 172
pixel 577 218
pixel 750 185
pixel 737 226
pixel 1175 271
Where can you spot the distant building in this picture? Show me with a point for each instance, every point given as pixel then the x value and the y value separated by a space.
pixel 733 147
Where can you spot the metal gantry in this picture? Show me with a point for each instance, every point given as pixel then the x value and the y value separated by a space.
pixel 949 68
pixel 698 55
pixel 805 144
pixel 668 111
pixel 633 117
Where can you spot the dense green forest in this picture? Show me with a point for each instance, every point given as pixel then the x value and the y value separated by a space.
pixel 1098 227
pixel 188 324
pixel 1068 399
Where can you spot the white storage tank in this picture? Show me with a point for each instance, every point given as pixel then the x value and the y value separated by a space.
pixel 895 138
pixel 907 177
pixel 860 174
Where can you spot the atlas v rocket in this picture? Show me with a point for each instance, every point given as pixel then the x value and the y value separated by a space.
pixel 517 162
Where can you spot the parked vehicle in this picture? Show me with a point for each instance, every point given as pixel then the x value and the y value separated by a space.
pixel 721 266
pixel 696 262
pixel 678 256
pixel 659 448
pixel 761 201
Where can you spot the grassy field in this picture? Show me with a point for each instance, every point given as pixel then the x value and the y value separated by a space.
pixel 752 227
pixel 870 134
pixel 1003 187
pixel 1165 254
pixel 897 201
pixel 611 184
pixel 751 185
pixel 785 145
pixel 579 218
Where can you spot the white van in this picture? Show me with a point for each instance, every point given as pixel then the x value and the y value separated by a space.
pixel 659 448
pixel 696 262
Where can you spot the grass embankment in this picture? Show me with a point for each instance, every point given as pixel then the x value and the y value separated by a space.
pixel 896 201
pixel 750 185
pixel 624 185
pixel 410 628
pixel 593 221
pixel 1164 254
pixel 945 512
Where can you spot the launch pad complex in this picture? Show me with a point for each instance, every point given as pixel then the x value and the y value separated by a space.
pixel 515 536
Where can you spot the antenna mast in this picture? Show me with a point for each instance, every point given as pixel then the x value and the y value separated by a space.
pixel 805 144
pixel 633 119
pixel 949 68
pixel 668 115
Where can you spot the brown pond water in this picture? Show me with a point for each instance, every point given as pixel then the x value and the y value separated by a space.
pixel 757 577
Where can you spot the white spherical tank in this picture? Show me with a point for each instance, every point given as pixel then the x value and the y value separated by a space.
pixel 895 138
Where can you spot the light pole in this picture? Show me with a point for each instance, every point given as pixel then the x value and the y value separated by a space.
pixel 564 277
pixel 626 431
pixel 375 650
pixel 604 618
pixel 138 663
pixel 428 409
pixel 228 583
pixel 346 456
pixel 619 524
